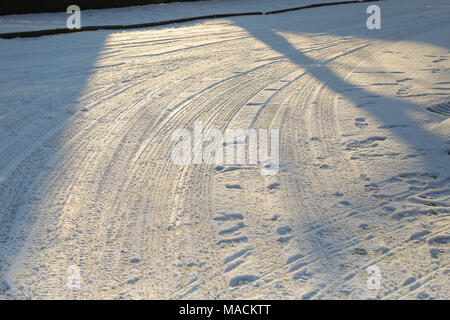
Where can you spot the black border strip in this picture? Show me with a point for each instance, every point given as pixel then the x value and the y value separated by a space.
pixel 39 33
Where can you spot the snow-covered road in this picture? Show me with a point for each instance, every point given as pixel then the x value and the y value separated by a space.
pixel 87 179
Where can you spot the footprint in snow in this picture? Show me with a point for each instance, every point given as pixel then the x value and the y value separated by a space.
pixel 419 235
pixel 302 275
pixel 360 251
pixel 272 186
pixel 237 255
pixel 370 142
pixel 345 203
pixel 434 253
pixel 227 217
pixel 232 230
pixel 232 240
pixel 284 239
pixel 439 240
pixel 284 230
pixel 361 123
pixel 242 280
pixel 293 258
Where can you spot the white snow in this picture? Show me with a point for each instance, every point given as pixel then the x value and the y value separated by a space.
pixel 86 177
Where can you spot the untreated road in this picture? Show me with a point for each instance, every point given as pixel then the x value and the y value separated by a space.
pixel 87 178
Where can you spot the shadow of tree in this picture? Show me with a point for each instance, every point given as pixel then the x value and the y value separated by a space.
pixel 395 28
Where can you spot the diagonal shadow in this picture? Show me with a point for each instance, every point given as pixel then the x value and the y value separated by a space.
pixel 267 33
pixel 321 70
pixel 33 128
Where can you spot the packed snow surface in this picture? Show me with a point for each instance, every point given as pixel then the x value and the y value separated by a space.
pixel 88 188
